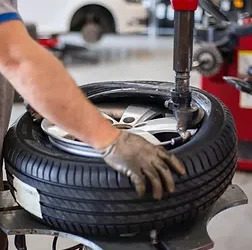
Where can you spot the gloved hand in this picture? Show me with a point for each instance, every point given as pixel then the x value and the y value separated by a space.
pixel 135 157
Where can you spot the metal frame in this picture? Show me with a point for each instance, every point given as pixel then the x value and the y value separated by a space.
pixel 16 221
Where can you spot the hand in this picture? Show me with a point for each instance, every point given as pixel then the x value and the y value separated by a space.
pixel 135 157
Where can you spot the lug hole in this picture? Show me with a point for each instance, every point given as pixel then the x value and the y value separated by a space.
pixel 128 119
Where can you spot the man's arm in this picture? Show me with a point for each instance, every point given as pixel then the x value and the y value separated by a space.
pixel 42 80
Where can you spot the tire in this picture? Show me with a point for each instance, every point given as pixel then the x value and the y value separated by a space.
pixel 83 196
pixel 93 22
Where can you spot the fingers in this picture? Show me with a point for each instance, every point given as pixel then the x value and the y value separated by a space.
pixel 172 161
pixel 166 175
pixel 139 182
pixel 156 183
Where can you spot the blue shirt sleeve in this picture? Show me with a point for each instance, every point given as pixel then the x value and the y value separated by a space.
pixel 9 16
pixel 8 11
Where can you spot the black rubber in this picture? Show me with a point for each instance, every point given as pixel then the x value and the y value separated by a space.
pixel 84 196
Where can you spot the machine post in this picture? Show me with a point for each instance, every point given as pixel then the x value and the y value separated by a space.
pixel 183 52
pixel 183 43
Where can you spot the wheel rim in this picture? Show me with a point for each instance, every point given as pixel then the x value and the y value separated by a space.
pixel 156 126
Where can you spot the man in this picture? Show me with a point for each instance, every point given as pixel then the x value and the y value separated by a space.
pixel 45 84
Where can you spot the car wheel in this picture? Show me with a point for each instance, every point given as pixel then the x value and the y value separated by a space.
pixel 92 32
pixel 78 193
pixel 93 22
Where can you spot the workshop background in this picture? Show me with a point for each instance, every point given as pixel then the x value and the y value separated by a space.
pixel 142 49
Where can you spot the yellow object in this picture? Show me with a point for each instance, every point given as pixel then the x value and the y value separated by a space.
pixel 239 4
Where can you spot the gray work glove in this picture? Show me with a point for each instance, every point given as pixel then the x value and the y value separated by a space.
pixel 136 158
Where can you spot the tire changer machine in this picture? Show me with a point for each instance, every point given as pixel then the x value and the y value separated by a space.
pixel 224 59
pixel 16 221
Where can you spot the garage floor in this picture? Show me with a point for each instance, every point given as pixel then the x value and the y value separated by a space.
pixel 138 58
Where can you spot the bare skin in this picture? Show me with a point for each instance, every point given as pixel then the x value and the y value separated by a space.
pixel 42 80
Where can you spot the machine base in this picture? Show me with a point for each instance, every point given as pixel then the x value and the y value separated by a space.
pixel 16 221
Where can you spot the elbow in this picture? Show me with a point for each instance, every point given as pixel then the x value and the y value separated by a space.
pixel 17 56
pixel 16 47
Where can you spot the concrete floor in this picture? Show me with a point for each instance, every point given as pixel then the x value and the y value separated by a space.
pixel 137 58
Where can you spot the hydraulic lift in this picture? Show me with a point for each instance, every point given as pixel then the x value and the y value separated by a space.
pixel 15 221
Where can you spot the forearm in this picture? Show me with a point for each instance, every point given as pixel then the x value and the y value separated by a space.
pixel 42 80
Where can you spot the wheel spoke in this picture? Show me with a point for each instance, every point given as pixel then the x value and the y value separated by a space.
pixel 161 125
pixel 111 119
pixel 136 114
pixel 146 135
pixel 140 120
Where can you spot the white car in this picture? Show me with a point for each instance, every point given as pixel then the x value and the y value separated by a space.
pixel 92 17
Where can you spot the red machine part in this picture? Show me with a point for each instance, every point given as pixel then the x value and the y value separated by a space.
pixel 232 98
pixel 185 5
pixel 247 20
pixel 49 43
